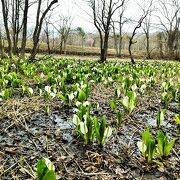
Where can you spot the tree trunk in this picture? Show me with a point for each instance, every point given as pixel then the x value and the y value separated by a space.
pixel 61 46
pixel 130 53
pixel 64 48
pixel 34 49
pixel 24 33
pixel 103 56
pixel 120 37
pixel 170 44
pixel 104 48
pixel 48 42
pixel 2 53
pixel 38 27
pixel 160 44
pixel 5 20
pixel 148 56
pixel 15 25
pixel 115 41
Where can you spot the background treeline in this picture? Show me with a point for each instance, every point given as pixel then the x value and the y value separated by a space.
pixel 153 33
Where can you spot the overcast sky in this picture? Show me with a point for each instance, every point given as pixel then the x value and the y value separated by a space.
pixel 81 13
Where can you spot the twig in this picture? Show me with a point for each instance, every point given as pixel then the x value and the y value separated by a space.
pixel 27 172
pixel 131 138
pixel 30 168
pixel 93 174
pixel 176 154
pixel 72 158
pixel 9 168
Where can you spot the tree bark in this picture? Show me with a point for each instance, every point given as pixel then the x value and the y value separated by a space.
pixel 2 53
pixel 15 25
pixel 5 20
pixel 129 49
pixel 24 33
pixel 148 54
pixel 102 16
pixel 38 27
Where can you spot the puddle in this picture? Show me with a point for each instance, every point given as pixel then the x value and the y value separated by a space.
pixel 61 123
pixel 173 106
pixel 67 137
pixel 152 122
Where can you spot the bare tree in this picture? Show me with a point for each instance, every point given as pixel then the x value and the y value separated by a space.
pixel 82 34
pixel 121 21
pixel 18 23
pixel 24 28
pixel 38 26
pixel 47 32
pixel 2 53
pixel 5 12
pixel 146 26
pixel 16 26
pixel 131 42
pixel 103 11
pixel 170 10
pixel 160 44
pixel 63 28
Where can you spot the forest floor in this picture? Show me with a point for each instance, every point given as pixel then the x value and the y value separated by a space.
pixel 27 134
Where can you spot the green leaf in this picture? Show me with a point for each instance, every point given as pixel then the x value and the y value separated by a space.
pixel 97 127
pixel 63 98
pixel 119 118
pixel 102 128
pixel 177 119
pixel 50 175
pixel 89 124
pixel 118 92
pixel 41 168
pixel 146 136
pixel 151 149
pixel 160 117
pixel 81 96
pixel 169 147
pixel 131 105
pixel 149 142
pixel 112 104
pixel 161 138
pixel 108 132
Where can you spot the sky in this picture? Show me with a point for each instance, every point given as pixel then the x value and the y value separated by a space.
pixel 82 14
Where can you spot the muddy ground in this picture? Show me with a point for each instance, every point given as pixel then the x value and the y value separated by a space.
pixel 27 134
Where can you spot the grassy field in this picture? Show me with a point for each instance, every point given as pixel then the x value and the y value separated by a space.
pixel 92 121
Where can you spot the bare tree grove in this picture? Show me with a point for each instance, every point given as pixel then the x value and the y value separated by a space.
pixel 151 30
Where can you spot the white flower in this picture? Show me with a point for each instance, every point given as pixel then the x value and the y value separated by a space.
pixel 71 96
pixel 76 120
pixel 49 164
pixel 142 147
pixel 53 95
pixel 30 90
pixel 48 89
pixel 78 103
pixel 86 103
pixel 83 128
